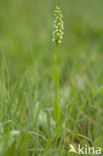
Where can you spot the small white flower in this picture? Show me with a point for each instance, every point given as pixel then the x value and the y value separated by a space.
pixel 58 25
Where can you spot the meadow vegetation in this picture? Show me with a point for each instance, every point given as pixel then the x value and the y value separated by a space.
pixel 27 125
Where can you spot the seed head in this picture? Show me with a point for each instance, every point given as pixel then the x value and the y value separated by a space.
pixel 58 26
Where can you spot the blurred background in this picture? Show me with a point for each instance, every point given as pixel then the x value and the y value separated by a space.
pixel 27 50
pixel 26 73
pixel 26 28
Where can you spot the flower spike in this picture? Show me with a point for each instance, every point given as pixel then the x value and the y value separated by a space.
pixel 58 26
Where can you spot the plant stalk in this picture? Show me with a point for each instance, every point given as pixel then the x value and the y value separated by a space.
pixel 56 81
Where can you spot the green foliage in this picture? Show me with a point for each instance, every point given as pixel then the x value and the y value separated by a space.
pixel 27 126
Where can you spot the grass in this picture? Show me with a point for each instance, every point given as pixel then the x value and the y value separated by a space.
pixel 27 126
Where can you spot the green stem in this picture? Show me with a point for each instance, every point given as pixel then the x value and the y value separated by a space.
pixel 56 103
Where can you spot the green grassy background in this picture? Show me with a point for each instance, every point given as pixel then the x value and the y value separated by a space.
pixel 26 77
